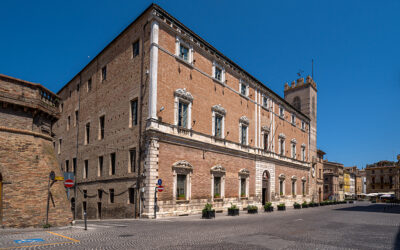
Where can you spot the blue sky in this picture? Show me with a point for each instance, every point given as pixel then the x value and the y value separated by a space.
pixel 355 46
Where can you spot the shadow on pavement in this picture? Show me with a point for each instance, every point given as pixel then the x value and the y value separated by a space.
pixel 376 208
pixel 396 244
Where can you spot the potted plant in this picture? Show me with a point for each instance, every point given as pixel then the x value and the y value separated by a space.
pixel 243 195
pixel 311 204
pixel 217 196
pixel 208 212
pixel 252 209
pixel 233 210
pixel 281 194
pixel 181 197
pixel 296 205
pixel 304 205
pixel 268 207
pixel 281 207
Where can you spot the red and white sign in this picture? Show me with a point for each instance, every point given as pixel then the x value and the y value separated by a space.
pixel 69 183
pixel 160 188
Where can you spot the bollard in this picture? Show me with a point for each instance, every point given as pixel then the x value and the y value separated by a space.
pixel 85 218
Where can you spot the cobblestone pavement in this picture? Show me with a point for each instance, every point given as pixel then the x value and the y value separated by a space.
pixel 349 226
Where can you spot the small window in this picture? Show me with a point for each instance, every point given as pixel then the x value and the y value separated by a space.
pixel 67 166
pixel 183 114
pixel 135 49
pixel 112 167
pixel 281 112
pixel 77 87
pixel 266 142
pixel 100 193
pixel 111 191
pixel 70 93
pixel 62 107
pixel 132 160
pixel 303 125
pixel 217 187
pixel 293 187
pixel 74 166
pixel 76 117
pixel 265 102
pixel 131 195
pixel 303 153
pixel 303 188
pixel 243 139
pixel 68 122
pixel 100 169
pixel 218 126
pixel 281 146
pixel 59 145
pixel 184 52
pixel 84 194
pixel 86 169
pixel 293 150
pixel 181 186
pixel 293 119
pixel 87 133
pixel 133 113
pixel 89 85
pixel 104 73
pixel 243 88
pixel 101 127
pixel 218 73
pixel 281 190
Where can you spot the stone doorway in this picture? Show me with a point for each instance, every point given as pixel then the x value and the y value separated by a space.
pixel 266 188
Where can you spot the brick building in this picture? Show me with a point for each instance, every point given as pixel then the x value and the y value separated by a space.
pixel 382 177
pixel 160 102
pixel 27 113
pixel 333 181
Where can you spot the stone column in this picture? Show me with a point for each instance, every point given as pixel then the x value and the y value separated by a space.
pixel 153 70
pixel 151 172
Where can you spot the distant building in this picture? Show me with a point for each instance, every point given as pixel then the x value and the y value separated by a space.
pixel 333 181
pixel 382 177
pixel 27 114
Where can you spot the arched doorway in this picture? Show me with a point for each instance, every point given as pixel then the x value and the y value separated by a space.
pixel 265 187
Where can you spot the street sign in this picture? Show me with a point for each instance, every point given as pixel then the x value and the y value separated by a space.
pixel 59 178
pixel 68 183
pixel 28 241
pixel 159 182
pixel 160 188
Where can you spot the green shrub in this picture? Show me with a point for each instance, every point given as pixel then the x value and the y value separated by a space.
pixel 207 207
pixel 46 225
pixel 281 205
pixel 267 205
pixel 251 207
pixel 233 207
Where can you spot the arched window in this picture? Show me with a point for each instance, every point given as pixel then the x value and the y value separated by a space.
pixel 297 103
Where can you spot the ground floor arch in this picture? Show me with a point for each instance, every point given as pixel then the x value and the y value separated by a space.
pixel 266 187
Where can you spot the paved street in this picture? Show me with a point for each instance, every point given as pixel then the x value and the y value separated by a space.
pixel 349 226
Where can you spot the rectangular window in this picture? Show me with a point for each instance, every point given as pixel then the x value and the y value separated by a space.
pixel 293 150
pixel 281 187
pixel 86 169
pixel 133 113
pixel 303 125
pixel 293 119
pixel 183 115
pixel 184 52
pixel 243 89
pixel 84 194
pixel 303 153
pixel 281 147
pixel 68 122
pixel 266 142
pixel 67 166
pixel 101 127
pixel 218 73
pixel 243 187
pixel 293 187
pixel 87 133
pixel 181 186
pixel 111 195
pixel 100 193
pixel 131 195
pixel 217 187
pixel 281 112
pixel 135 49
pixel 89 85
pixel 76 117
pixel 59 145
pixel 303 187
pixel 100 166
pixel 265 102
pixel 218 126
pixel 112 167
pixel 74 165
pixel 104 73
pixel 243 139
pixel 132 160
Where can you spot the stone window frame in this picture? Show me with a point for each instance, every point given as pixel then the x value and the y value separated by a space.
pixel 293 147
pixel 218 110
pixel 293 119
pixel 244 174
pixel 180 42
pixel 182 95
pixel 294 186
pixel 217 65
pixel 100 170
pixel 110 173
pixel 131 101
pixel 282 184
pixel 303 186
pixel 241 83
pixel 137 41
pixel 133 148
pixel 281 112
pixel 265 101
pixel 182 168
pixel 265 131
pixel 103 73
pixel 85 172
pixel 99 130
pixel 303 125
pixel 76 114
pixel 282 138
pixel 218 171
pixel 244 121
pixel 87 136
pixel 303 152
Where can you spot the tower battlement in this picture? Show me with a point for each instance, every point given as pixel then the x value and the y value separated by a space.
pixel 300 83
